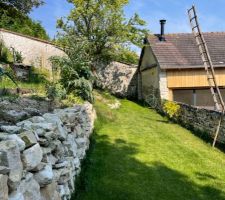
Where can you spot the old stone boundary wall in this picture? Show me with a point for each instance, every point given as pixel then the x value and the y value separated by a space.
pixel 41 156
pixel 200 120
pixel 118 78
pixel 36 52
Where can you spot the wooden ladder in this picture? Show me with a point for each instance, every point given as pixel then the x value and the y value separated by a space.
pixel 209 68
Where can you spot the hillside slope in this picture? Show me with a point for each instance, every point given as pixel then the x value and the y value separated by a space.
pixel 139 155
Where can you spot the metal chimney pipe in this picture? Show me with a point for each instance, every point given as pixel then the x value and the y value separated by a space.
pixel 162 34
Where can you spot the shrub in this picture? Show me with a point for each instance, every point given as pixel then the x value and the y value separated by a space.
pixel 18 57
pixel 55 91
pixel 171 109
pixel 7 73
pixel 38 75
pixel 5 54
pixel 75 70
pixel 72 99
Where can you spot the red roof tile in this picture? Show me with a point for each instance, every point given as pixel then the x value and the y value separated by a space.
pixel 180 50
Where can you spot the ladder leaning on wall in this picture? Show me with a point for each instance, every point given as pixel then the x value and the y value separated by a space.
pixel 209 68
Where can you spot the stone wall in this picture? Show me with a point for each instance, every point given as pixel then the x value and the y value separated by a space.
pixel 41 156
pixel 35 52
pixel 120 79
pixel 200 120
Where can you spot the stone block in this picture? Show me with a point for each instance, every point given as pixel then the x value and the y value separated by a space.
pixel 3 187
pixel 49 192
pixel 29 138
pixel 45 176
pixel 10 158
pixel 32 157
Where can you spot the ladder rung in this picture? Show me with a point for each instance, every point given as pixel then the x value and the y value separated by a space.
pixel 190 9
pixel 202 43
pixel 204 52
pixel 197 35
pixel 194 27
pixel 193 18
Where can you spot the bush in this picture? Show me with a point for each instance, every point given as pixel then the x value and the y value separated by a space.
pixel 55 91
pixel 5 54
pixel 7 74
pixel 18 57
pixel 75 70
pixel 38 75
pixel 72 99
pixel 171 109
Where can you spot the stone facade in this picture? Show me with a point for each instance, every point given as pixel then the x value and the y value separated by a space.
pixel 35 52
pixel 41 156
pixel 120 79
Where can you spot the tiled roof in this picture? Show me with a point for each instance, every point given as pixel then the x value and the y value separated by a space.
pixel 180 50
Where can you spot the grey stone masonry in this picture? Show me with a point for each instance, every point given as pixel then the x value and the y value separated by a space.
pixel 41 159
pixel 119 78
pixel 202 120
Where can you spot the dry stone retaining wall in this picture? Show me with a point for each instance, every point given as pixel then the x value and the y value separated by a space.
pixel 203 120
pixel 41 156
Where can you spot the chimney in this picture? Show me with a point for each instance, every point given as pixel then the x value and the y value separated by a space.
pixel 162 34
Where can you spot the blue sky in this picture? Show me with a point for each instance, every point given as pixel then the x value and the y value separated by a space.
pixel 151 11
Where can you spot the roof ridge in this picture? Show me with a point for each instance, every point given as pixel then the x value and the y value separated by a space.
pixel 174 34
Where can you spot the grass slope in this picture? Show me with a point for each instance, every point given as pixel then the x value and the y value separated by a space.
pixel 138 155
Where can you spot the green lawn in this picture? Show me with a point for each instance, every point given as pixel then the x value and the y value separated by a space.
pixel 35 87
pixel 136 154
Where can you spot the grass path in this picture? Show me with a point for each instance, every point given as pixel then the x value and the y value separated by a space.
pixel 138 155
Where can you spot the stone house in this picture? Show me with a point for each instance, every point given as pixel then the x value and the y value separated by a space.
pixel 171 68
pixel 36 52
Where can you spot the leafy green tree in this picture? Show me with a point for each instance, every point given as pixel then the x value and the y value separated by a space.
pixel 25 6
pixel 14 20
pixel 103 24
pixel 125 55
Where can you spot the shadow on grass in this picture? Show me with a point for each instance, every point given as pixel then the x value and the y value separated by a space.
pixel 111 172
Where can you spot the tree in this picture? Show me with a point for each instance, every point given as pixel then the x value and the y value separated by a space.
pixel 14 20
pixel 25 6
pixel 103 24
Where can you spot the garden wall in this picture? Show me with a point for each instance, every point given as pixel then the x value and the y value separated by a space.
pixel 119 78
pixel 200 120
pixel 41 156
pixel 36 52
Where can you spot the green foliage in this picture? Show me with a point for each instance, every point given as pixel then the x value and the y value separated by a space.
pixel 55 91
pixel 13 20
pixel 125 55
pixel 18 57
pixel 103 24
pixel 8 74
pixel 5 54
pixel 171 108
pixel 39 75
pixel 72 99
pixel 75 69
pixel 24 6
